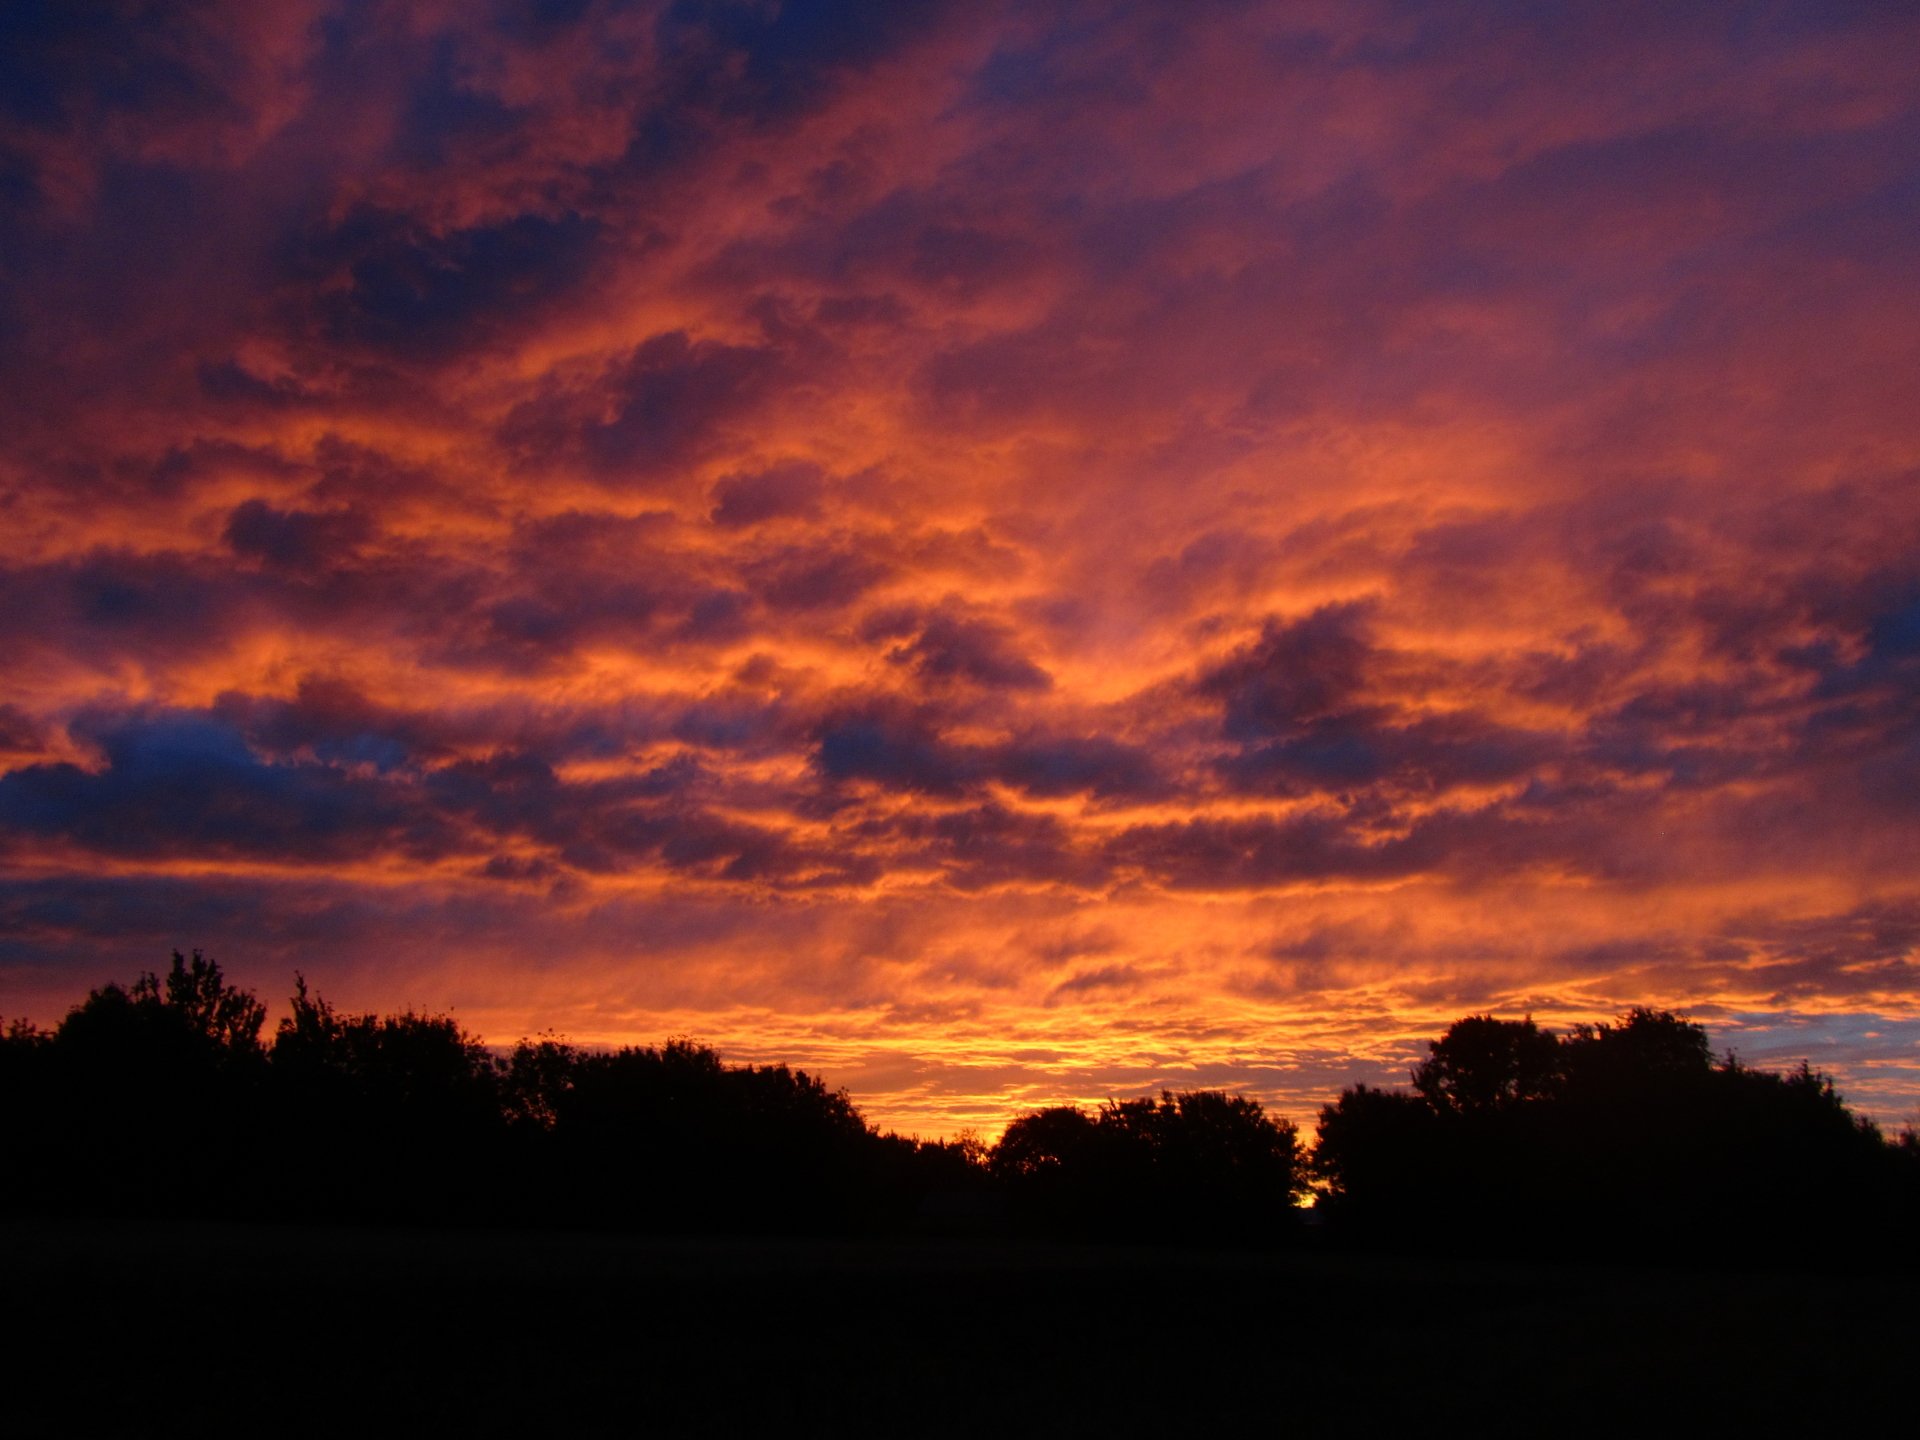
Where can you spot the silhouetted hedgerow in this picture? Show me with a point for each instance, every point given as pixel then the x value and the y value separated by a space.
pixel 163 1098
pixel 1616 1137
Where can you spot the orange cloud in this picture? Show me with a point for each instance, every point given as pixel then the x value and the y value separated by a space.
pixel 1004 554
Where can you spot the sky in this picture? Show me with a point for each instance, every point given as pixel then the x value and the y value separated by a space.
pixel 1002 553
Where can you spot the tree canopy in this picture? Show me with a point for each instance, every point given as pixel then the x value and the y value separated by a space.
pixel 1627 1130
pixel 162 1096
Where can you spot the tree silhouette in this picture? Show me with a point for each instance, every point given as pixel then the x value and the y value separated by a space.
pixel 1195 1166
pixel 1647 1050
pixel 535 1080
pixel 1045 1142
pixel 405 1064
pixel 160 1097
pixel 1624 1135
pixel 197 993
pixel 26 1110
pixel 1484 1064
pixel 1383 1159
pixel 674 1137
pixel 156 1094
pixel 384 1115
pixel 191 1011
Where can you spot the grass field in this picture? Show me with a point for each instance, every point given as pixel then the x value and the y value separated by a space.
pixel 168 1328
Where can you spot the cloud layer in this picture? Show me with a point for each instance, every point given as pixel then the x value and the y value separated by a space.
pixel 1008 553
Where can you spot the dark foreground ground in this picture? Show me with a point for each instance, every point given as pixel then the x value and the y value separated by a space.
pixel 155 1329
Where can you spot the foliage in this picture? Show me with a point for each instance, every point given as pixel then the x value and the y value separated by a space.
pixel 381 1115
pixel 148 1096
pixel 197 993
pixel 1626 1134
pixel 161 1097
pixel 1046 1142
pixel 671 1136
pixel 1378 1151
pixel 1197 1165
pixel 1484 1064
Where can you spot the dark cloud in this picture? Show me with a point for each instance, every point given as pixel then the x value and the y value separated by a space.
pixel 1297 672
pixel 717 617
pixel 948 645
pixel 782 493
pixel 18 730
pixel 1888 662
pixel 894 753
pixel 337 723
pixel 739 722
pixel 299 540
pixel 111 605
pixel 184 785
pixel 1545 830
pixel 109 76
pixel 1256 854
pixel 769 63
pixel 986 846
pixel 1351 752
pixel 1299 706
pixel 815 576
pixel 520 870
pixel 229 383
pixel 1094 765
pixel 390 287
pixel 1103 977
pixel 661 406
pixel 582 580
pixel 609 827
pixel 905 752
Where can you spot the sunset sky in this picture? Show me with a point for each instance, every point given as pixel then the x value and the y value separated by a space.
pixel 1004 553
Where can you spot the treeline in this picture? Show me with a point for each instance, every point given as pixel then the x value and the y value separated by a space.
pixel 1611 1137
pixel 165 1097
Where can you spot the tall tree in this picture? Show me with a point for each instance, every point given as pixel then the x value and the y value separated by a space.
pixel 1483 1064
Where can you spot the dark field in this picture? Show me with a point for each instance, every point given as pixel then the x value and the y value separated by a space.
pixel 143 1329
